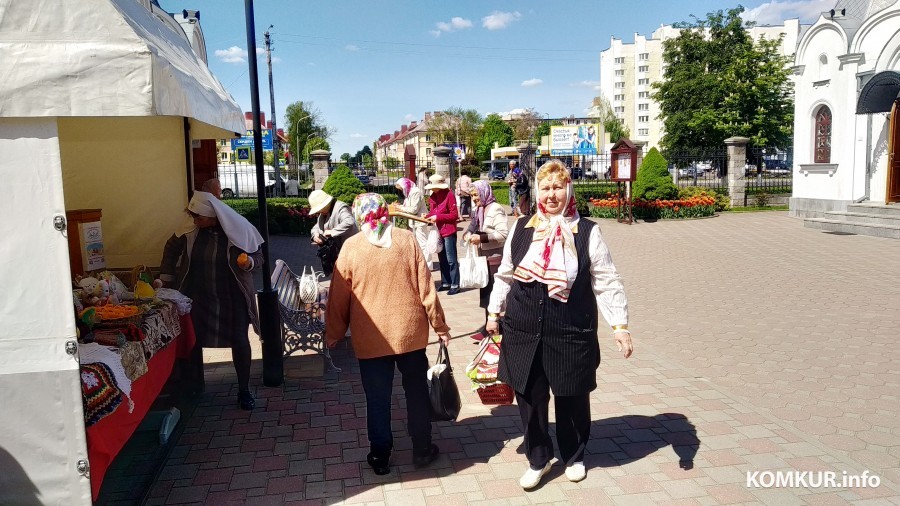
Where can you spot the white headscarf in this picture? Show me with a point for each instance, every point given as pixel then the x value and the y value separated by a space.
pixel 552 258
pixel 239 231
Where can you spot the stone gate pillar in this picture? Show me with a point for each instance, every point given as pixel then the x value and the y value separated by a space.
pixel 442 161
pixel 737 158
pixel 321 161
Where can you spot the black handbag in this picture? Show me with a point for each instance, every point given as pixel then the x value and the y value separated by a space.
pixel 444 395
pixel 327 253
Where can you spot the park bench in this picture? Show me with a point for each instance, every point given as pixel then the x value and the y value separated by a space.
pixel 304 325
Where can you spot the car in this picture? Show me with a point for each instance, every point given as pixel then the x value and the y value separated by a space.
pixel 497 174
pixel 363 178
pixel 240 180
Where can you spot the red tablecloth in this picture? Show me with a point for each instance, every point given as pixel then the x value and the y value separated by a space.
pixel 107 437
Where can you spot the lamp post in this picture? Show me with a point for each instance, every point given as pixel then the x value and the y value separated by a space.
pixel 297 132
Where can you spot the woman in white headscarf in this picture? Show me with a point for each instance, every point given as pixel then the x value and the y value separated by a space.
pixel 210 260
pixel 556 272
pixel 383 291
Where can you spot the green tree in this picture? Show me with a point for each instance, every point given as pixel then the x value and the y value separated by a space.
pixel 719 83
pixel 493 130
pixel 303 123
pixel 313 144
pixel 343 185
pixel 612 125
pixel 345 157
pixel 525 125
pixel 653 180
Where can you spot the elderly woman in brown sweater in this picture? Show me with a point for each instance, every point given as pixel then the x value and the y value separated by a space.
pixel 387 335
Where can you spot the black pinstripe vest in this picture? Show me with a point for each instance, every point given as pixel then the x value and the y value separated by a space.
pixel 565 332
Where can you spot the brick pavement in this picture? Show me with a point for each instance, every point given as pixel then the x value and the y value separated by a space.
pixel 760 346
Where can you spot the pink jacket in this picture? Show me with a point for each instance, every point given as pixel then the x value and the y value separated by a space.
pixel 443 207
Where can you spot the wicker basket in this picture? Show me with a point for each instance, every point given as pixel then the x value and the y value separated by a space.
pixel 498 393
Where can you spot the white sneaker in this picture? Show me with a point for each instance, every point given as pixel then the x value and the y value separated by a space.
pixel 576 472
pixel 532 477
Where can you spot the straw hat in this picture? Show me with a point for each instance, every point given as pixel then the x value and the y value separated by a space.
pixel 437 182
pixel 318 200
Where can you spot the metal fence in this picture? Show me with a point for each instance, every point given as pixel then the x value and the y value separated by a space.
pixel 703 167
pixel 590 173
pixel 769 170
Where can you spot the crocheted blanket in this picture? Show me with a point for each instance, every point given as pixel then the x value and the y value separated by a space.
pixel 100 396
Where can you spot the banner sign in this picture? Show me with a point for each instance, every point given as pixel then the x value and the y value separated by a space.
pixel 574 140
pixel 247 140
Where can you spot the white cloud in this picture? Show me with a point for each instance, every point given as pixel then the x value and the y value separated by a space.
pixel 594 85
pixel 233 54
pixel 532 82
pixel 276 59
pixel 357 136
pixel 456 23
pixel 351 47
pixel 409 117
pixel 775 12
pixel 260 51
pixel 499 20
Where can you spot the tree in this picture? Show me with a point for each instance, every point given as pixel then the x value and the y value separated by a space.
pixel 343 185
pixel 493 131
pixel 455 125
pixel 525 125
pixel 304 122
pixel 345 157
pixel 653 180
pixel 718 83
pixel 612 125
pixel 313 144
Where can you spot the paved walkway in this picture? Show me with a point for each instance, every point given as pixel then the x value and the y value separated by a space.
pixel 760 346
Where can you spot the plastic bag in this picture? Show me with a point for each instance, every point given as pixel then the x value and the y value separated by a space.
pixel 434 243
pixel 309 286
pixel 483 368
pixel 473 269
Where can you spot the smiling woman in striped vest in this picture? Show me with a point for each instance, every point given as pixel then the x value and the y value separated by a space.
pixel 555 273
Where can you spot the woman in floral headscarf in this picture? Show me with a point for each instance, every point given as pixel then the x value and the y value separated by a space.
pixel 555 274
pixel 413 203
pixel 365 281
pixel 487 230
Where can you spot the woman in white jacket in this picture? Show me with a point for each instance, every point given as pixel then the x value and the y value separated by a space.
pixel 413 203
pixel 488 230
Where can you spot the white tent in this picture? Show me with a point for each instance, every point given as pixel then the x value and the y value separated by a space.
pixel 98 98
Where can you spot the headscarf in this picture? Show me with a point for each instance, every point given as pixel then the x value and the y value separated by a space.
pixel 552 259
pixel 371 214
pixel 485 198
pixel 405 185
pixel 239 231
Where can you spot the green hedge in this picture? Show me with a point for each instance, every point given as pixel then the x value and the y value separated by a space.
pixel 287 215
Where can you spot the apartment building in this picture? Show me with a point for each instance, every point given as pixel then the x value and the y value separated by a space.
pixel 628 71
pixel 416 134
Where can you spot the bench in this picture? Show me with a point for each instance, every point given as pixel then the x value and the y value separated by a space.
pixel 304 326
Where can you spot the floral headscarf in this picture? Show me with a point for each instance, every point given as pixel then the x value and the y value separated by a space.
pixel 405 185
pixel 485 198
pixel 371 214
pixel 552 259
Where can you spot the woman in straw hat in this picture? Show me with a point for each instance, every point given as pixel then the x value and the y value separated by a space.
pixel 210 260
pixel 444 215
pixel 365 279
pixel 334 220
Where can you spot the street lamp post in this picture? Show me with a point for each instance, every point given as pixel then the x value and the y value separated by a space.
pixel 297 132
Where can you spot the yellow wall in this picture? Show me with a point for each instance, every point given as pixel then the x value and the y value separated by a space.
pixel 134 170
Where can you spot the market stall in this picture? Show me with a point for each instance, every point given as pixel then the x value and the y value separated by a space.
pixel 102 106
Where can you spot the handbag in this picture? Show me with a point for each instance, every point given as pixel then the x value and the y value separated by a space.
pixel 443 392
pixel 308 289
pixel 473 269
pixel 327 253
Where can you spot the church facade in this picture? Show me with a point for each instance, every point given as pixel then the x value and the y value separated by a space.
pixel 846 117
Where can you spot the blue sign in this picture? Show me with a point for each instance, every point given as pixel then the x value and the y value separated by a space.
pixel 247 140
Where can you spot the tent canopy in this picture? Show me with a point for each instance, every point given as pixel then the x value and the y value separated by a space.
pixel 880 93
pixel 105 58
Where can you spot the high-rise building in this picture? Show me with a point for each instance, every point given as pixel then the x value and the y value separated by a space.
pixel 628 71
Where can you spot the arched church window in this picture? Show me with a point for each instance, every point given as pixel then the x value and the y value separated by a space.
pixel 823 135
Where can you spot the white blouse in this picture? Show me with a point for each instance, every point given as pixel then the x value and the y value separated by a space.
pixel 606 282
pixel 414 204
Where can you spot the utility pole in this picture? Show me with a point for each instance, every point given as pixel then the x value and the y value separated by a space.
pixel 275 140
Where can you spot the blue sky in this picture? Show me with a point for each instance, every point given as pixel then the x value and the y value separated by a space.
pixel 370 67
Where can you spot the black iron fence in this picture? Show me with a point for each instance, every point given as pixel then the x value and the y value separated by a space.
pixel 702 167
pixel 769 171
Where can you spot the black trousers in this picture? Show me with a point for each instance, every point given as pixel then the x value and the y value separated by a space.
pixel 573 420
pixel 378 379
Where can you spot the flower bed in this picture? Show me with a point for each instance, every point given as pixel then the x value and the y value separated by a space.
pixel 698 206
